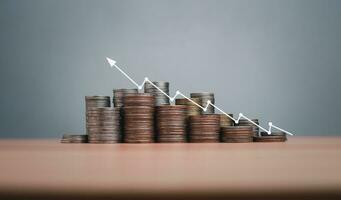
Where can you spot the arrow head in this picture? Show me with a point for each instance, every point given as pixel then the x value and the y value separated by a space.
pixel 111 62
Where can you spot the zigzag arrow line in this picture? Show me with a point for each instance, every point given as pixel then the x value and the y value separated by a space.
pixel 112 63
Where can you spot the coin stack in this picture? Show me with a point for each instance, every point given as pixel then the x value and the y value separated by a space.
pixel 204 97
pixel 237 134
pixel 192 109
pixel 245 122
pixel 94 102
pixel 139 118
pixel 226 121
pixel 204 128
pixel 118 96
pixel 171 123
pixel 160 98
pixel 118 101
pixel 67 138
pixel 97 101
pixel 273 137
pixel 103 125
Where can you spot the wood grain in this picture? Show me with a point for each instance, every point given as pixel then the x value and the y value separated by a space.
pixel 302 167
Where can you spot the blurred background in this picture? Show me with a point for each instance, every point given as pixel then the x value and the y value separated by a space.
pixel 277 61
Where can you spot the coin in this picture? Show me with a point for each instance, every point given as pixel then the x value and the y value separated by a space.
pixel 140 99
pixel 103 125
pixel 278 133
pixel 160 97
pixel 91 105
pixel 204 97
pixel 119 94
pixel 138 113
pixel 204 128
pixel 226 121
pixel 192 108
pixel 171 123
pixel 245 122
pixel 118 101
pixel 70 138
pixel 237 134
pixel 273 137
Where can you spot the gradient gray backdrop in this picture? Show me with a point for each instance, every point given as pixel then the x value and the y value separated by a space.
pixel 272 60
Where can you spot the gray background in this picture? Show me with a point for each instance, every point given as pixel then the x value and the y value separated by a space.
pixel 272 60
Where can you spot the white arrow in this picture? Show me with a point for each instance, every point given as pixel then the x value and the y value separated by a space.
pixel 112 64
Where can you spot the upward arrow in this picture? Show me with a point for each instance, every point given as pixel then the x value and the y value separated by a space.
pixel 112 64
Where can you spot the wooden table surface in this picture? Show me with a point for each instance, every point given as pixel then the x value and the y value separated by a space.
pixel 301 167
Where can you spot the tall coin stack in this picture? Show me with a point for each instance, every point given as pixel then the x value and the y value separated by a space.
pixel 94 102
pixel 160 98
pixel 171 123
pixel 139 118
pixel 245 122
pixel 204 97
pixel 118 102
pixel 237 134
pixel 204 128
pixel 103 125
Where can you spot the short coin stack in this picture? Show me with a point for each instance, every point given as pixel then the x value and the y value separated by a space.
pixel 171 123
pixel 237 134
pixel 160 98
pixel 245 122
pixel 67 138
pixel 139 118
pixel 103 125
pixel 204 128
pixel 204 97
pixel 94 102
pixel 97 101
pixel 273 137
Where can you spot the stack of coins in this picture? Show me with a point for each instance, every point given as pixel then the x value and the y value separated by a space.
pixel 192 109
pixel 273 137
pixel 118 101
pixel 171 123
pixel 67 138
pixel 204 128
pixel 95 102
pixel 139 118
pixel 160 98
pixel 237 134
pixel 245 122
pixel 118 96
pixel 103 125
pixel 226 121
pixel 204 97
